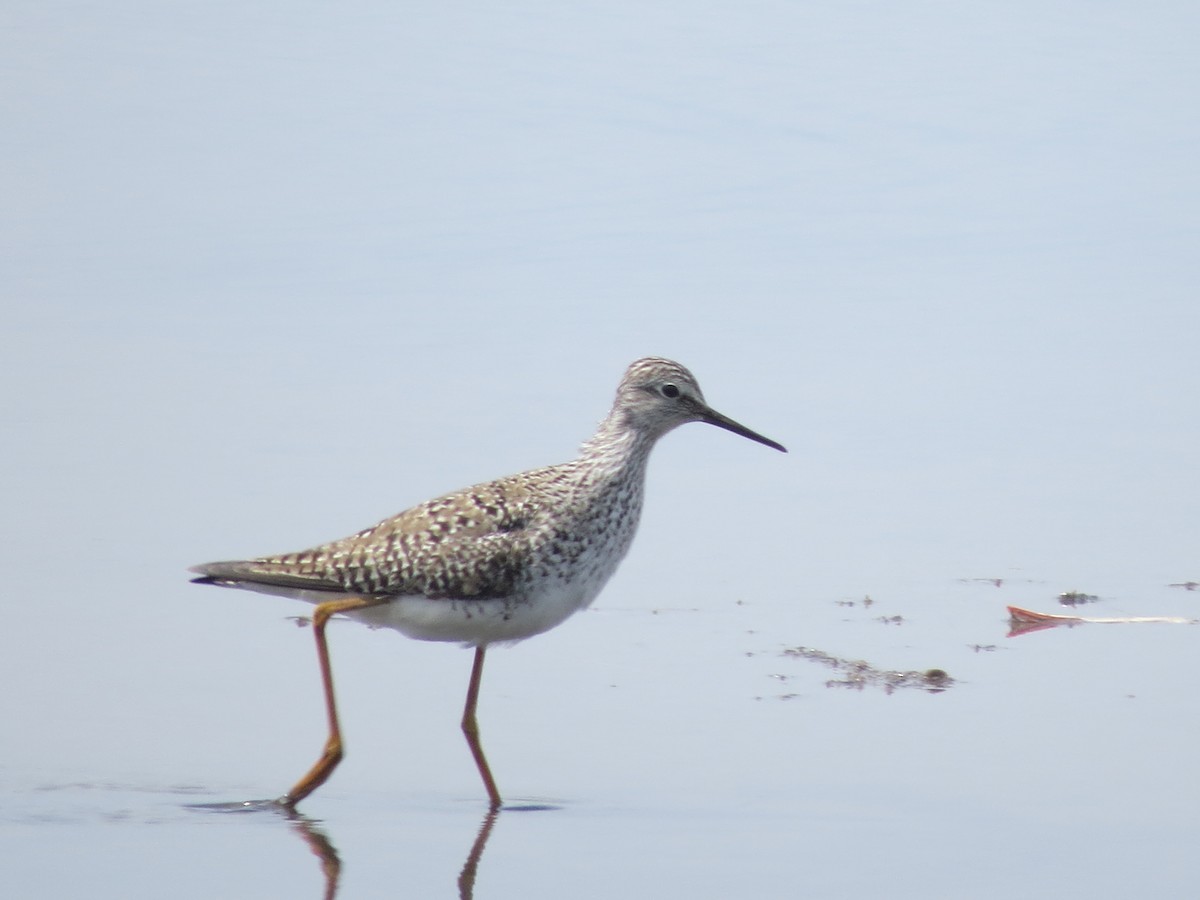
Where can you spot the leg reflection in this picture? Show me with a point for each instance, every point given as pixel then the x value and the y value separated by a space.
pixel 331 863
pixel 466 878
pixel 322 848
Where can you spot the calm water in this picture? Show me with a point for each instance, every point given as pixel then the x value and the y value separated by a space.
pixel 274 273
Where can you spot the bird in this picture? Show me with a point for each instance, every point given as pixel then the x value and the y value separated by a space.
pixel 495 563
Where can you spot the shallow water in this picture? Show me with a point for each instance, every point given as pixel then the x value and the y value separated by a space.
pixel 682 750
pixel 276 273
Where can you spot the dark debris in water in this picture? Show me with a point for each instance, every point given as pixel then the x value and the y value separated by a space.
pixel 859 674
pixel 1076 598
pixel 865 602
pixel 1186 585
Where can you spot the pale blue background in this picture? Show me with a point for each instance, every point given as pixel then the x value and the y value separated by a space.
pixel 274 271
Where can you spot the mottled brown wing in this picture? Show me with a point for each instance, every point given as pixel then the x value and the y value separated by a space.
pixel 471 544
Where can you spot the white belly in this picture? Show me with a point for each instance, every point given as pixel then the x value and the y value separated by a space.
pixel 547 603
pixel 473 622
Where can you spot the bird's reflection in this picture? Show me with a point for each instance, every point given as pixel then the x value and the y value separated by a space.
pixel 317 840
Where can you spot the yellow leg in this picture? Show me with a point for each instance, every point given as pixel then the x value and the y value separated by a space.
pixel 332 754
pixel 470 728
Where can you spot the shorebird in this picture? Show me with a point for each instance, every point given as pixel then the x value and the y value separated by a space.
pixel 497 562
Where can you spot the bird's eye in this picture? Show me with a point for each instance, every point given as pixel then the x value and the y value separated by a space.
pixel 670 391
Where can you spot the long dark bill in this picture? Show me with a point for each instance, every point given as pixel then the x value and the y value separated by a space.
pixel 712 417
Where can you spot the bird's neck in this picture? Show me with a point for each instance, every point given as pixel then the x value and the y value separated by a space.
pixel 617 446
